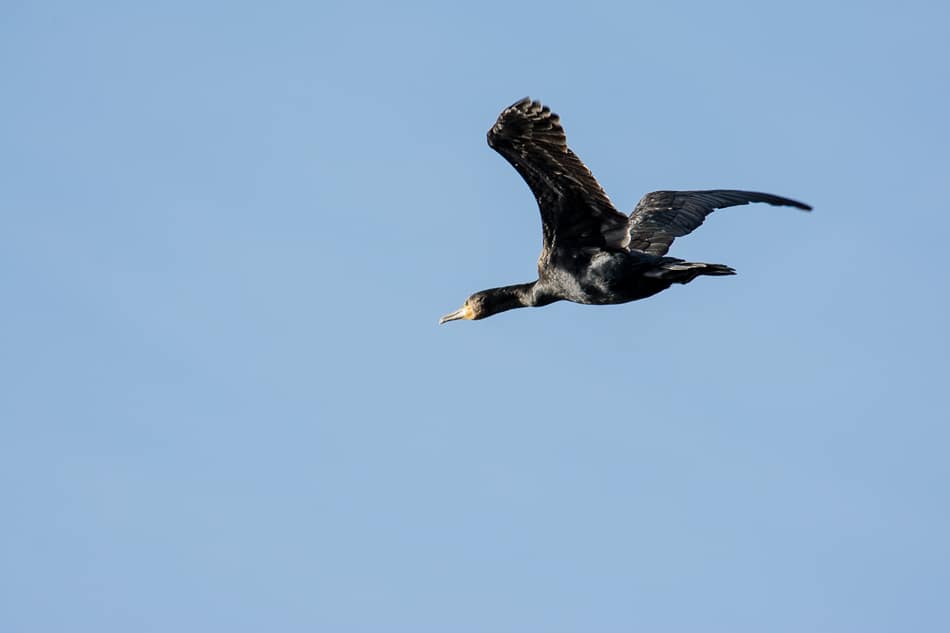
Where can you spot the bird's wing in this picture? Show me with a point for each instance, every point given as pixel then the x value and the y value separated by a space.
pixel 575 210
pixel 662 216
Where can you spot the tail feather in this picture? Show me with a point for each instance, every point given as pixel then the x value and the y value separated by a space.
pixel 680 272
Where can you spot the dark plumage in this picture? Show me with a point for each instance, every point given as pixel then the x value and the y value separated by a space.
pixel 591 252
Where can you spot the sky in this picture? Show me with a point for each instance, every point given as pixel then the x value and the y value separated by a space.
pixel 228 230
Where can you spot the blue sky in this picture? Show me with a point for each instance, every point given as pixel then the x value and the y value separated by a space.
pixel 228 232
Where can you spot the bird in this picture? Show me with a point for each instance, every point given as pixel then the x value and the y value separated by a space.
pixel 592 253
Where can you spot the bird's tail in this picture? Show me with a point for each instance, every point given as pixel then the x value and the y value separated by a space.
pixel 681 272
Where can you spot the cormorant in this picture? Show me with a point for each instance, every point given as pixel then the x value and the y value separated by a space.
pixel 591 252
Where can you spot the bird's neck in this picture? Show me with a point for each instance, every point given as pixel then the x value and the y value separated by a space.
pixel 516 296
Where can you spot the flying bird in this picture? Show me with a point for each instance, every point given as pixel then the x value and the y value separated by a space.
pixel 592 253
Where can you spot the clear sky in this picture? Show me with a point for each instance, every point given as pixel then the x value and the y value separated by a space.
pixel 229 230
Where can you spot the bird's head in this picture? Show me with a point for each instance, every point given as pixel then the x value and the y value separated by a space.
pixel 492 301
pixel 475 307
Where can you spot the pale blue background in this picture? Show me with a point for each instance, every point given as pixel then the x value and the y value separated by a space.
pixel 228 231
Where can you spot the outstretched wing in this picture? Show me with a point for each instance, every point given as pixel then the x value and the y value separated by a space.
pixel 662 216
pixel 574 208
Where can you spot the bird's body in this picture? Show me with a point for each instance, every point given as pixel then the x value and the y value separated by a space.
pixel 601 277
pixel 592 253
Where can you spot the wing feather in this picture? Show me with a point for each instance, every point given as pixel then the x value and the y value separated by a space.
pixel 662 216
pixel 575 210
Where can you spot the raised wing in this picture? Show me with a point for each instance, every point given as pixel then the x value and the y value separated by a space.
pixel 662 216
pixel 575 211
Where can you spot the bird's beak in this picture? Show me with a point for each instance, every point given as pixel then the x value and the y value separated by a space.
pixel 465 312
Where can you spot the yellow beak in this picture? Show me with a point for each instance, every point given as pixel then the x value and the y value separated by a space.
pixel 465 312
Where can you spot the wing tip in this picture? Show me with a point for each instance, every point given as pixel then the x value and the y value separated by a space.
pixel 520 102
pixel 798 205
pixel 526 117
pixel 778 201
pixel 530 108
pixel 771 198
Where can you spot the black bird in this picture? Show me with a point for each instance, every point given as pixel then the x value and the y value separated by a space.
pixel 591 252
